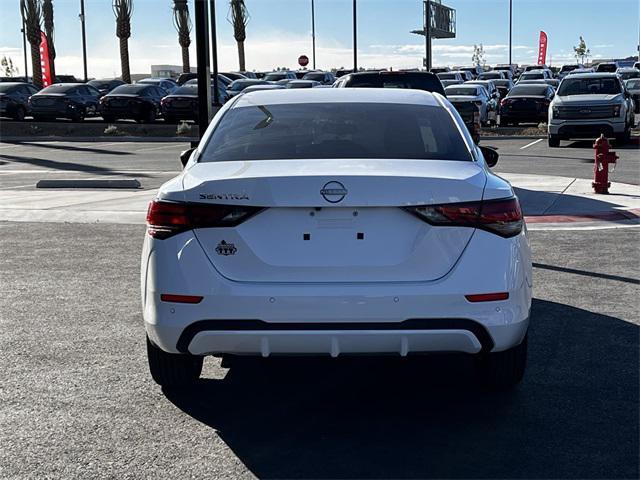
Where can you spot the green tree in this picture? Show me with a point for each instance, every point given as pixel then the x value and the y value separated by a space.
pixel 123 10
pixel 31 14
pixel 239 17
pixel 8 69
pixel 478 55
pixel 182 22
pixel 582 53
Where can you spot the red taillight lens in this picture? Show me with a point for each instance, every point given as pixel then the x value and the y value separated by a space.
pixel 487 297
pixel 165 219
pixel 169 297
pixel 502 217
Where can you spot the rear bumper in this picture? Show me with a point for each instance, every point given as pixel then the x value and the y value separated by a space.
pixel 333 319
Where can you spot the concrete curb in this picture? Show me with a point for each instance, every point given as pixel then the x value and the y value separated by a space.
pixel 78 183
pixel 510 137
pixel 35 138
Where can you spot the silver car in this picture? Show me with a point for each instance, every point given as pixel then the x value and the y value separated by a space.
pixel 476 94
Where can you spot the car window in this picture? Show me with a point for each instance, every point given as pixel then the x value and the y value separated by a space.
pixel 335 130
pixel 590 86
pixel 525 90
pixel 460 90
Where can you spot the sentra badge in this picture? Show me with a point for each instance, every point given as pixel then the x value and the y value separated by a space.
pixel 224 196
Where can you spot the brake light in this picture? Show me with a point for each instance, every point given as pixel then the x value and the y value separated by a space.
pixel 487 297
pixel 169 297
pixel 502 217
pixel 165 219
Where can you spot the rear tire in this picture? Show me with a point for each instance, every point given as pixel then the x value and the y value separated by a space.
pixel 20 114
pixel 624 137
pixel 149 116
pixel 173 369
pixel 504 369
pixel 554 141
pixel 109 118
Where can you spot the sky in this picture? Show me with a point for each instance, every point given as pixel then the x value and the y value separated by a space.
pixel 280 30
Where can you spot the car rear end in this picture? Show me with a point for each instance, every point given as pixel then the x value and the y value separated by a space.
pixel 285 253
pixel 521 108
pixel 425 81
pixel 470 114
pixel 180 106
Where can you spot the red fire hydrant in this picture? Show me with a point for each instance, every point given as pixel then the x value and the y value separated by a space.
pixel 604 159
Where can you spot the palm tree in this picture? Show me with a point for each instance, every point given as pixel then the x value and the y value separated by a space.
pixel 47 21
pixel 123 9
pixel 30 10
pixel 239 19
pixel 182 22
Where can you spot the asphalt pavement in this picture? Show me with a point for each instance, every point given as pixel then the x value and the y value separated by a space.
pixel 77 401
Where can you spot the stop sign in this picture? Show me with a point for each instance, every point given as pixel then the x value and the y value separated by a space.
pixel 303 60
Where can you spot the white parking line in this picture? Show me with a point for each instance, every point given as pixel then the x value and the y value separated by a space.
pixel 162 147
pixel 530 144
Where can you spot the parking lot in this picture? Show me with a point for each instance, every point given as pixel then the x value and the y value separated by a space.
pixel 77 399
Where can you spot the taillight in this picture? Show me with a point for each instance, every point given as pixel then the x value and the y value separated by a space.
pixel 502 217
pixel 503 102
pixel 165 219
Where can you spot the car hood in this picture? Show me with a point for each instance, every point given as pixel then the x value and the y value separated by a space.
pixel 600 99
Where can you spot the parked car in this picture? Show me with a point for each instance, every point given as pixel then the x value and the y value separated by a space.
pixel 237 86
pixel 607 67
pixel 475 71
pixel 105 85
pixel 301 73
pixel 503 86
pixel 67 79
pixel 476 94
pixel 530 68
pixel 510 70
pixel 494 97
pixel 341 72
pixel 293 197
pixel 182 104
pixel 581 70
pixel 269 86
pixel 302 84
pixel 537 74
pixel 28 80
pixel 417 80
pixel 451 78
pixel 627 73
pixel 166 84
pixel 553 82
pixel 185 77
pixel 526 103
pixel 437 70
pixel 250 75
pixel 223 79
pixel 469 112
pixel 564 71
pixel 140 102
pixel 636 65
pixel 275 76
pixel 633 87
pixel 493 75
pixel 587 105
pixel 467 75
pixel 233 75
pixel 325 78
pixel 14 99
pixel 65 100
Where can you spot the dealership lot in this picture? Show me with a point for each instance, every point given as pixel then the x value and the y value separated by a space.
pixel 77 399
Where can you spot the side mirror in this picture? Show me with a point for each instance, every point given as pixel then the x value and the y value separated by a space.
pixel 185 156
pixel 490 155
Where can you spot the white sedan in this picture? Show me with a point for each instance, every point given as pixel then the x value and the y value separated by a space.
pixel 336 222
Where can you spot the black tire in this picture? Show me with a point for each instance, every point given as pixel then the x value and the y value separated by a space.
pixel 170 119
pixel 554 141
pixel 622 138
pixel 173 369
pixel 108 118
pixel 149 116
pixel 40 118
pixel 79 115
pixel 504 369
pixel 20 114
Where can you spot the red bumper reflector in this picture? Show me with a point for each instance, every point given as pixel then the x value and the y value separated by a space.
pixel 167 297
pixel 487 297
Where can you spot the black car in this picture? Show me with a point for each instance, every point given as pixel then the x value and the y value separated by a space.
pixel 104 86
pixel 528 102
pixel 139 102
pixel 470 114
pixel 417 80
pixel 66 79
pixel 237 86
pixel 325 78
pixel 233 75
pixel 503 86
pixel 14 99
pixel 65 100
pixel 185 77
pixel 182 104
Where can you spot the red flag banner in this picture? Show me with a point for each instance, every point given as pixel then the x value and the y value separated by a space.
pixel 542 49
pixel 44 61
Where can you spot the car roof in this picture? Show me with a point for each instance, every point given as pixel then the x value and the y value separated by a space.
pixel 626 69
pixel 337 95
pixel 13 84
pixel 594 75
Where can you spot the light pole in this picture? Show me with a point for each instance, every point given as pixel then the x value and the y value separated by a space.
pixel 313 34
pixel 510 28
pixel 427 34
pixel 201 8
pixel 214 55
pixel 355 40
pixel 84 40
pixel 24 50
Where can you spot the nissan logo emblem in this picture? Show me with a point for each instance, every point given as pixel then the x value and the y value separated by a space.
pixel 333 192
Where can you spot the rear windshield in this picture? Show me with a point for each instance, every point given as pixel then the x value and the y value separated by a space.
pixel 7 87
pixel 525 90
pixel 58 89
pixel 129 89
pixel 461 90
pixel 336 130
pixel 629 74
pixel 272 77
pixel 502 83
pixel 427 82
pixel 239 85
pixel 448 76
pixel 606 67
pixel 569 68
pixel 533 76
pixel 314 76
pixel 186 90
pixel 491 76
pixel 589 86
pixel 633 84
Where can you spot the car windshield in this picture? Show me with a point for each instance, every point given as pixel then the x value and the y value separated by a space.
pixel 314 76
pixel 239 85
pixel 335 130
pixel 7 87
pixel 528 90
pixel 568 68
pixel 491 76
pixel 633 84
pixel 186 90
pixel 455 90
pixel 533 76
pixel 502 83
pixel 272 77
pixel 98 84
pixel 129 89
pixel 629 74
pixel 448 76
pixel 58 89
pixel 589 86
